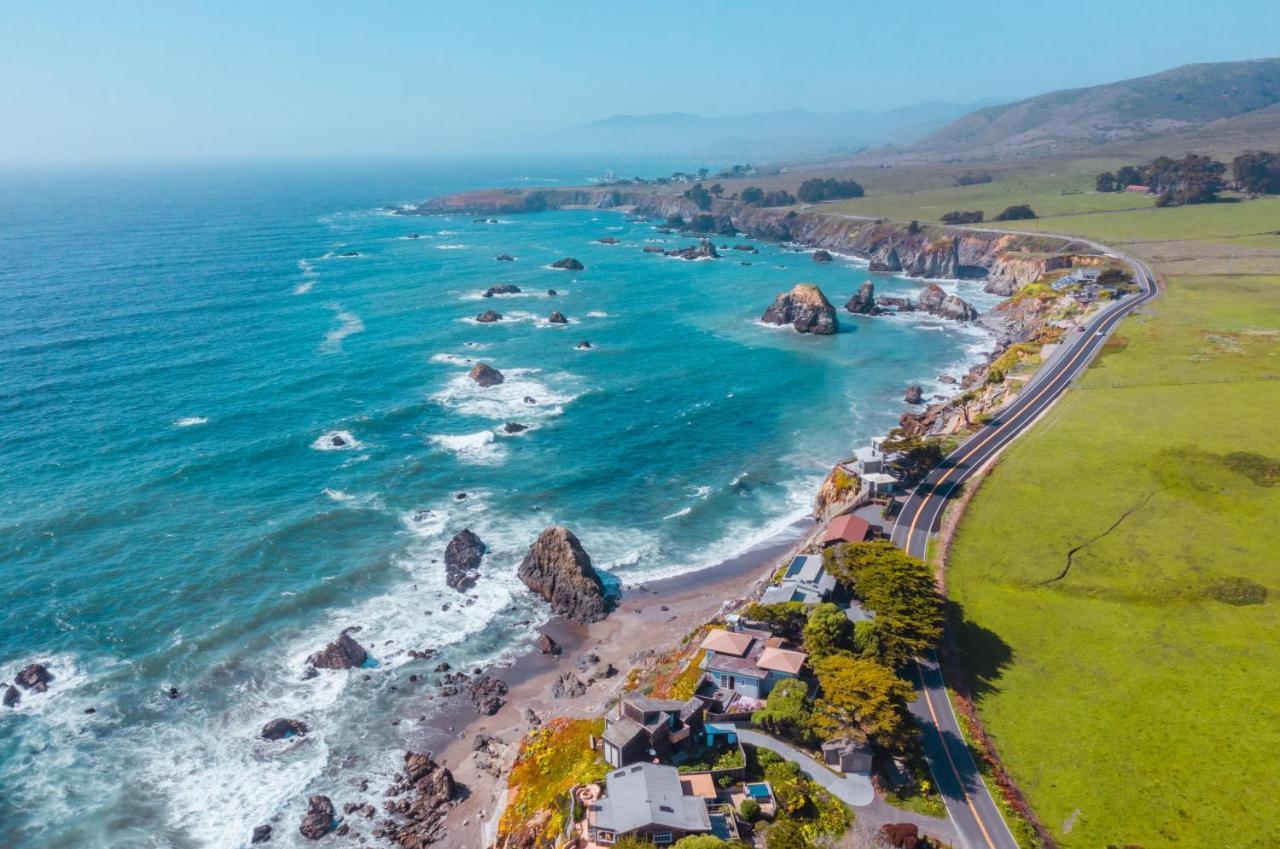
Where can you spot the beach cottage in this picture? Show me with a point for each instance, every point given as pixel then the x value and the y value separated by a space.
pixel 646 801
pixel 749 662
pixel 640 728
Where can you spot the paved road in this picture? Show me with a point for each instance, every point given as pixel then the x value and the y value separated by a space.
pixel 852 789
pixel 969 803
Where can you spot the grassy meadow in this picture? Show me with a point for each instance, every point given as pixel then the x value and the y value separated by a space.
pixel 1118 569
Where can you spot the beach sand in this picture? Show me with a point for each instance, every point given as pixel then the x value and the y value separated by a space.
pixel 650 617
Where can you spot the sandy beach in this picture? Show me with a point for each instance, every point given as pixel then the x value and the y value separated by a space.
pixel 650 617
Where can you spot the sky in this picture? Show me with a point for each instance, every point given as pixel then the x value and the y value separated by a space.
pixel 145 81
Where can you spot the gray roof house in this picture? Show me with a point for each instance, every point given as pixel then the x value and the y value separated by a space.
pixel 646 800
pixel 641 728
pixel 806 579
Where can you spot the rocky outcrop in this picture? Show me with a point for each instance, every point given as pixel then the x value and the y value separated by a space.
pixel 422 794
pixel 886 260
pixel 318 820
pixel 608 240
pixel 505 258
pixel 486 694
pixel 557 317
pixel 838 491
pixel 34 677
pixel 915 394
pixel 279 729
pixel 568 686
pixel 583 345
pixel 1014 269
pixel 547 645
pixel 489 317
pixel 514 427
pixel 485 375
pixel 502 289
pixel 935 301
pixel 261 834
pixel 558 569
pixel 939 258
pixel 889 302
pixel 462 560
pixel 864 302
pixel 342 653
pixel 567 264
pixel 703 250
pixel 822 256
pixel 806 309
pixel 11 696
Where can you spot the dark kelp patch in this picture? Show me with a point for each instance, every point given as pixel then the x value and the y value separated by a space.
pixel 1262 470
pixel 1236 591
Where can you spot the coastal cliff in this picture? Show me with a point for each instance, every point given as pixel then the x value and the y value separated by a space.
pixel 1004 261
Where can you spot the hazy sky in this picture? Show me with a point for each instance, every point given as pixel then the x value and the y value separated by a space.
pixel 143 80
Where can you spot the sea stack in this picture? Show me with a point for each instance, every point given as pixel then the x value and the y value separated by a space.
pixel 462 560
pixel 822 256
pixel 485 375
pixel 489 317
pixel 558 569
pixel 937 302
pixel 806 309
pixel 557 317
pixel 567 264
pixel 863 303
pixel 342 653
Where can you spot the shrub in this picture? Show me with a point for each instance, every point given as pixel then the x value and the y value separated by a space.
pixel 700 196
pixel 786 712
pixel 785 834
pixel 786 619
pixel 750 809
pixel 1021 212
pixel 1115 277
pixel 827 631
pixel 970 178
pixel 959 217
pixel 1106 182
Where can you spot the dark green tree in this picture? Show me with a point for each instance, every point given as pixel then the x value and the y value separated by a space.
pixel 1106 182
pixel 1020 212
pixel 1257 172
pixel 828 631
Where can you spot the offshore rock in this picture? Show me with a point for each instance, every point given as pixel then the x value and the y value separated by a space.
pixel 462 560
pixel 505 258
pixel 261 834
pixel 319 818
pixel 558 569
pixel 557 317
pixel 278 729
pixel 342 653
pixel 489 317
pixel 864 302
pixel 34 677
pixel 502 289
pixel 805 308
pixel 485 375
pixel 703 250
pixel 514 427
pixel 915 394
pixel 937 302
pixel 11 696
pixel 822 256
pixel 567 264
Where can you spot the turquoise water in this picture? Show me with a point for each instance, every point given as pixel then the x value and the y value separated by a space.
pixel 177 346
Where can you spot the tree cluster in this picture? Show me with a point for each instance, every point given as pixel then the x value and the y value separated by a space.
pixel 1191 179
pixel 960 217
pixel 699 195
pixel 919 454
pixel 1257 172
pixel 1020 212
pixel 819 189
pixel 756 196
pixel 971 178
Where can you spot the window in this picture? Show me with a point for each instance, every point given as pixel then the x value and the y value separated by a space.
pixel 605 836
pixel 661 837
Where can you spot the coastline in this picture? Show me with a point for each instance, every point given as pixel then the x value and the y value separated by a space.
pixel 650 618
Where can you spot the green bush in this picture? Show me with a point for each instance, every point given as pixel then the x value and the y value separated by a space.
pixel 750 809
pixel 1020 212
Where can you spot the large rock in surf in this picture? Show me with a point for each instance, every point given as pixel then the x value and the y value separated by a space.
pixel 34 677
pixel 703 250
pixel 485 375
pixel 342 653
pixel 805 308
pixel 822 256
pixel 318 820
pixel 420 820
pixel 278 729
pixel 864 302
pixel 505 258
pixel 462 558
pixel 937 302
pixel 502 289
pixel 489 317
pixel 11 696
pixel 557 317
pixel 261 834
pixel 558 569
pixel 886 260
pixel 567 264
pixel 915 394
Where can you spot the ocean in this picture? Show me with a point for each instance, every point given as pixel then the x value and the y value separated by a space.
pixel 180 345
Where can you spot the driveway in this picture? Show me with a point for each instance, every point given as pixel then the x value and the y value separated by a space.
pixel 854 789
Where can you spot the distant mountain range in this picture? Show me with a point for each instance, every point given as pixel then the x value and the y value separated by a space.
pixel 793 133
pixel 1222 97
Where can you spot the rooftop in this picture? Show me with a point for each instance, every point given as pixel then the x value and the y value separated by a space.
pixel 782 660
pixel 733 643
pixel 646 794
pixel 847 528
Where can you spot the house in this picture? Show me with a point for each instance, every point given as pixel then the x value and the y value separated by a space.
pixel 846 528
pixel 646 801
pixel 870 464
pixel 749 662
pixel 847 754
pixel 805 580
pixel 1146 190
pixel 640 728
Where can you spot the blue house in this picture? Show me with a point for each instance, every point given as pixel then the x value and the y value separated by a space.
pixel 749 662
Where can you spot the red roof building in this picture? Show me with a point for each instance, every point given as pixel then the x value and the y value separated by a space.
pixel 846 528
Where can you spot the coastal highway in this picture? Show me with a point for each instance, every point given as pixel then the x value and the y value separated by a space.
pixel 969 803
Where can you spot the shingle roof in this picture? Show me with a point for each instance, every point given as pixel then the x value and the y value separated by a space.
pixel 727 642
pixel 647 794
pixel 782 660
pixel 848 527
pixel 622 731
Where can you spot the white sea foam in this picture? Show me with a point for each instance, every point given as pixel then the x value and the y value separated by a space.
pixel 477 448
pixel 308 277
pixel 190 421
pixel 451 247
pixel 324 442
pixel 683 512
pixel 348 323
pixel 506 401
pixel 597 314
pixel 452 359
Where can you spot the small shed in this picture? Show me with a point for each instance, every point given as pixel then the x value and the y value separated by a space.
pixel 847 754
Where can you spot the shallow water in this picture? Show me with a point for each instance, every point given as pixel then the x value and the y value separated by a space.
pixel 180 347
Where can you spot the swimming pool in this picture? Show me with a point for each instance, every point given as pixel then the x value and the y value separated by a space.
pixel 759 791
